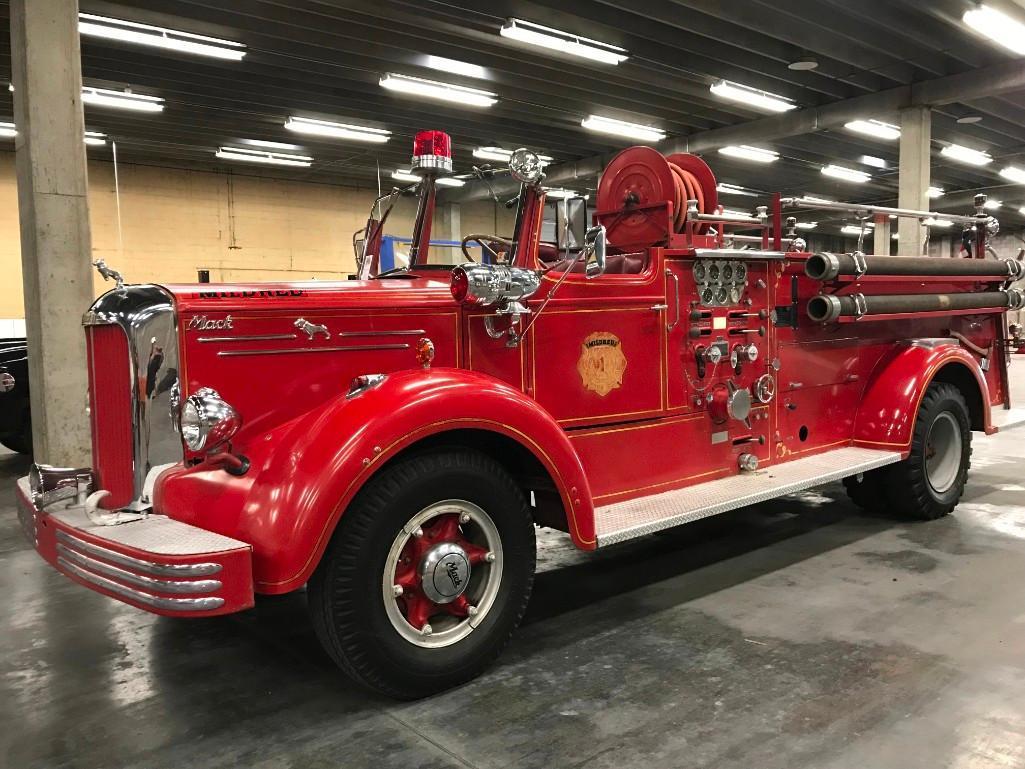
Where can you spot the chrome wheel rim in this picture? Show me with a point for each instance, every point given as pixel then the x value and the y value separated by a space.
pixel 442 573
pixel 943 452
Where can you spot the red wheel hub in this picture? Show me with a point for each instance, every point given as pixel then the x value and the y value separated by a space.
pixel 441 535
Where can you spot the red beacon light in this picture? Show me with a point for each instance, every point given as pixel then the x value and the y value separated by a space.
pixel 432 152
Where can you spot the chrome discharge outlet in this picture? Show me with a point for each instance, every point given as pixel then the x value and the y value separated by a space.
pixel 748 463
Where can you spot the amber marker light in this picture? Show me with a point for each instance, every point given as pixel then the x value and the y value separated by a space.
pixel 424 352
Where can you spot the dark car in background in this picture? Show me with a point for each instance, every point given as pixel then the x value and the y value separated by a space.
pixel 15 418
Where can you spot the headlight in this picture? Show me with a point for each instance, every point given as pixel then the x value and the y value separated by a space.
pixel 207 421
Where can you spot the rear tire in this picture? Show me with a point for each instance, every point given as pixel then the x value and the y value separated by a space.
pixel 867 490
pixel 413 525
pixel 929 483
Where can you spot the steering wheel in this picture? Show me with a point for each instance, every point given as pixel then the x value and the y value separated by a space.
pixel 483 240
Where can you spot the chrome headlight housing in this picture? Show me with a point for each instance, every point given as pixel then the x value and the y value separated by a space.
pixel 207 421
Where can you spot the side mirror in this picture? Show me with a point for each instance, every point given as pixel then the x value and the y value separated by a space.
pixel 594 252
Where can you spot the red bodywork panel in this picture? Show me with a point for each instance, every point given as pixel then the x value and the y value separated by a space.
pixel 601 442
pixel 306 471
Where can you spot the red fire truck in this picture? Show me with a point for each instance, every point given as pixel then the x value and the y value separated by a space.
pixel 390 443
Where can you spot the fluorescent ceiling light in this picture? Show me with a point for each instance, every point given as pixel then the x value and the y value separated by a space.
pixel 608 125
pixel 854 229
pixel 752 97
pixel 560 194
pixel 159 37
pixel 966 155
pixel 400 175
pixel 872 160
pixel 105 97
pixel 501 155
pixel 258 156
pixel 733 189
pixel 432 89
pixel 747 152
pixel 1022 210
pixel 847 174
pixel 930 222
pixel 306 125
pixel 807 225
pixel 272 145
pixel 935 192
pixel 992 205
pixel 1014 174
pixel 455 67
pixel 876 128
pixel 565 42
pixel 95 138
pixel 998 27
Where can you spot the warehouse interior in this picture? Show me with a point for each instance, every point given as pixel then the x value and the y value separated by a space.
pixel 243 142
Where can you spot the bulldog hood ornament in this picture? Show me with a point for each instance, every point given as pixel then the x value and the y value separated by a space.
pixel 109 273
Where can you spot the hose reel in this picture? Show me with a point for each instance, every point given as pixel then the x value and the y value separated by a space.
pixel 639 180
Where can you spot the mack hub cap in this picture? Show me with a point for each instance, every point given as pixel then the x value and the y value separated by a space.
pixel 445 572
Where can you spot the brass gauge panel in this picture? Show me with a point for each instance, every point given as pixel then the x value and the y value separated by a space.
pixel 720 282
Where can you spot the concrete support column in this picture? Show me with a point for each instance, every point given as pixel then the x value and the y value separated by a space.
pixel 915 158
pixel 447 224
pixel 881 235
pixel 54 215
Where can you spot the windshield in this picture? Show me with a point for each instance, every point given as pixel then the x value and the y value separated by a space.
pixel 385 245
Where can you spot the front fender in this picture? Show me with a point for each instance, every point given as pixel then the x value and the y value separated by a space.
pixel 886 416
pixel 315 465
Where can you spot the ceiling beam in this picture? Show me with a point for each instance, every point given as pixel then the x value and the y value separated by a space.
pixel 965 86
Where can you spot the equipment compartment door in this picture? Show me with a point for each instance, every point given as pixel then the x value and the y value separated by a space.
pixel 596 352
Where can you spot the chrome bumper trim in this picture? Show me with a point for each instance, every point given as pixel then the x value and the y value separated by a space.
pixel 150 583
pixel 147 567
pixel 140 596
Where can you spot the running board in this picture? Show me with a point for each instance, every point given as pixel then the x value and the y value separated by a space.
pixel 645 515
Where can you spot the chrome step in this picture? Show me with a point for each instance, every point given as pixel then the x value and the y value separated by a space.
pixel 645 515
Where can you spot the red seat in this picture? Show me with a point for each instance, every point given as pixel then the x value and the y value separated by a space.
pixel 615 264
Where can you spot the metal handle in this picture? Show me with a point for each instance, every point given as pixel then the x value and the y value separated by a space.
pixel 676 284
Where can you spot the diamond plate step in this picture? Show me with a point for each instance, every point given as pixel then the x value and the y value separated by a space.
pixel 645 515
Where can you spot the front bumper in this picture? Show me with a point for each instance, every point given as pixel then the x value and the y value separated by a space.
pixel 157 564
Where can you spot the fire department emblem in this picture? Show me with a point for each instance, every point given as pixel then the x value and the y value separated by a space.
pixel 601 363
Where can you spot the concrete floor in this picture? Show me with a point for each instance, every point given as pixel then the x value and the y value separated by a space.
pixel 799 633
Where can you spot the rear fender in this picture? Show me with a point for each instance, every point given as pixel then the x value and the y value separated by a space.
pixel 886 416
pixel 319 461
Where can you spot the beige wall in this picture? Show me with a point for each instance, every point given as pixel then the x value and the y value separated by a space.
pixel 241 228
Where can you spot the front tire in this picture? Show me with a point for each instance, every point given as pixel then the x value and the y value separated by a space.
pixel 929 483
pixel 427 575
